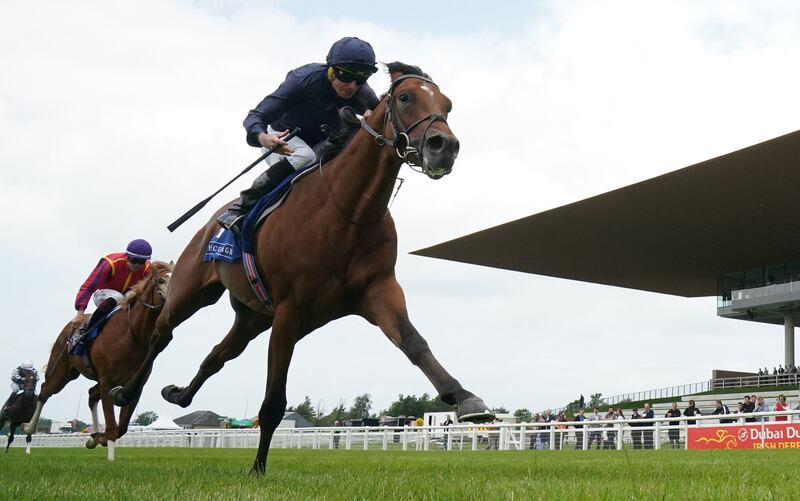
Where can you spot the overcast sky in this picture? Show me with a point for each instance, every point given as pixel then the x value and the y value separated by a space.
pixel 116 117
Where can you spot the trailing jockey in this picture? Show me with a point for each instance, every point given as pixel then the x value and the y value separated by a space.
pixel 113 276
pixel 18 376
pixel 309 98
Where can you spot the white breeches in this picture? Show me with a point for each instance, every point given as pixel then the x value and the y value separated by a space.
pixel 303 155
pixel 15 387
pixel 101 295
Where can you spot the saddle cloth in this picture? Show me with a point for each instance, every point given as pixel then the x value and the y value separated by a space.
pixel 224 246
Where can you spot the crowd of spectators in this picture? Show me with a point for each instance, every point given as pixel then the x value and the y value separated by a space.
pixel 780 370
pixel 605 436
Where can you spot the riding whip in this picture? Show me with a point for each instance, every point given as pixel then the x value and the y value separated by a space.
pixel 194 210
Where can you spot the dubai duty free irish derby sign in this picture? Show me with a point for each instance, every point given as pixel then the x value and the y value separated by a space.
pixel 750 436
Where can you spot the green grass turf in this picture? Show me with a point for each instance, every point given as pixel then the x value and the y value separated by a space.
pixel 145 473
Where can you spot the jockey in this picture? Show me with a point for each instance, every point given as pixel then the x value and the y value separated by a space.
pixel 113 276
pixel 18 376
pixel 309 97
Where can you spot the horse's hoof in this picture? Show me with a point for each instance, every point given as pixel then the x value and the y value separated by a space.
pixel 91 443
pixel 474 410
pixel 258 469
pixel 172 394
pixel 118 397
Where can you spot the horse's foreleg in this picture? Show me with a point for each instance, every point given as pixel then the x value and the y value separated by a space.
pixel 125 414
pixel 11 427
pixel 28 443
pixel 385 306
pixel 285 333
pixel 94 398
pixel 179 306
pixel 109 437
pixel 245 328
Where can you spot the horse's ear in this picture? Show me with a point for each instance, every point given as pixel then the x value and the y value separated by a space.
pixel 394 74
pixel 171 262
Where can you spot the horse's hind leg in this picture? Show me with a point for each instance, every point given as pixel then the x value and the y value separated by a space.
pixel 11 427
pixel 59 373
pixel 385 306
pixel 28 443
pixel 246 327
pixel 183 301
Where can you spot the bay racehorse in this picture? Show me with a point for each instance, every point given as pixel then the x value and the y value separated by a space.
pixel 115 356
pixel 327 252
pixel 21 410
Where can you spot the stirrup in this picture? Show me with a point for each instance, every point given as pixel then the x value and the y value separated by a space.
pixel 231 220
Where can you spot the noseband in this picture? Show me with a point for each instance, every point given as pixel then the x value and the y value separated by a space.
pixel 401 142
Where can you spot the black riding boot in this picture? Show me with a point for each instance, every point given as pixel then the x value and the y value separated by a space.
pixel 101 311
pixel 263 184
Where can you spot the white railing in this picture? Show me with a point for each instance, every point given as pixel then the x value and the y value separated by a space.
pixel 613 434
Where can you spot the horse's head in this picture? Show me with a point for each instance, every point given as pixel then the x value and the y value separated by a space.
pixel 417 111
pixel 29 380
pixel 151 291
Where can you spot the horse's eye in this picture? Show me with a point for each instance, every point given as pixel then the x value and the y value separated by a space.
pixel 403 98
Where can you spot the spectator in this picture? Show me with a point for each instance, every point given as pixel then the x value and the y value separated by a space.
pixel 447 422
pixel 636 433
pixel 548 418
pixel 536 442
pixel 561 430
pixel 721 409
pixel 774 371
pixel 611 434
pixel 691 411
pixel 674 434
pixel 581 402
pixel 336 436
pixel 647 434
pixel 780 405
pixel 762 406
pixel 748 406
pixel 580 418
pixel 595 434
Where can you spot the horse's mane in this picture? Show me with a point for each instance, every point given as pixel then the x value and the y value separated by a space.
pixel 138 289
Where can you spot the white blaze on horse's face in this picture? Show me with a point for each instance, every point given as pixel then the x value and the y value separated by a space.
pixel 162 285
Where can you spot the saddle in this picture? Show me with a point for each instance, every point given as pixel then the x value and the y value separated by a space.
pixel 78 345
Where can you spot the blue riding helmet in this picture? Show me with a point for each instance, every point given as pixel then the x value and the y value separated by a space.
pixel 352 51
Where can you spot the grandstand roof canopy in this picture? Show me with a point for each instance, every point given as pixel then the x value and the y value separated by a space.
pixel 672 234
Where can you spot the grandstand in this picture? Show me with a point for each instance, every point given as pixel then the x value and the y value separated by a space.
pixel 697 231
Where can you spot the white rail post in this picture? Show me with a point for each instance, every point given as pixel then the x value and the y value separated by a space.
pixel 585 437
pixel 502 439
pixel 618 426
pixel 385 439
pixel 404 438
pixel 474 439
pixel 425 438
pixel 552 432
pixel 366 438
pixel 522 444
pixel 657 435
pixel 348 438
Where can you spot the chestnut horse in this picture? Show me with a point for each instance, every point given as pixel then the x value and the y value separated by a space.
pixel 21 410
pixel 327 252
pixel 115 355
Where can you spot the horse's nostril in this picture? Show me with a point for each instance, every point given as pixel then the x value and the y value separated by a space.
pixel 435 143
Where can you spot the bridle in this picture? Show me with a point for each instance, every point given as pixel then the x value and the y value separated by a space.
pixel 401 141
pixel 150 306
